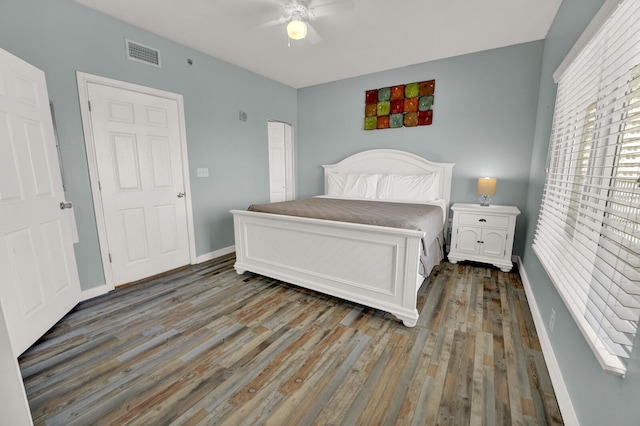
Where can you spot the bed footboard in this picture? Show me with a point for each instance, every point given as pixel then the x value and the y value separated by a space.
pixel 371 265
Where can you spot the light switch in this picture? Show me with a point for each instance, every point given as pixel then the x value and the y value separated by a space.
pixel 202 172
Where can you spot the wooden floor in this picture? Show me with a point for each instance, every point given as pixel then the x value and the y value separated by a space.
pixel 204 345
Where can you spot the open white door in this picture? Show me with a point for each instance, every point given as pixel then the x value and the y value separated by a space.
pixel 39 280
pixel 281 164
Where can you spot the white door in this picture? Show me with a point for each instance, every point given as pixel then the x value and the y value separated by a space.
pixel 281 174
pixel 39 280
pixel 139 157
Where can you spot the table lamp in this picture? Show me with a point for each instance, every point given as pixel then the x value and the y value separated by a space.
pixel 486 187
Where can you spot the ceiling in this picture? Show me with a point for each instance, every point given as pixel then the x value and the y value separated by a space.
pixel 357 36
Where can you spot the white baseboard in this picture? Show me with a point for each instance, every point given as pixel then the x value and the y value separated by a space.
pixel 562 393
pixel 94 292
pixel 214 254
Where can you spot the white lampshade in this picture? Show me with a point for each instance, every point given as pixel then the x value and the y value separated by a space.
pixel 296 30
pixel 487 186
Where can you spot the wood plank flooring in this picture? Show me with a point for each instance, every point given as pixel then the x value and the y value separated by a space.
pixel 203 345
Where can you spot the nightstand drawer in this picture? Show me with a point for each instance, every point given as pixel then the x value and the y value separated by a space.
pixel 483 220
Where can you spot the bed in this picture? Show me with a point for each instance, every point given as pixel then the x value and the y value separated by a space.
pixel 378 266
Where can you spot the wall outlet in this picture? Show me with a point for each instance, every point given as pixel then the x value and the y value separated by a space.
pixel 552 320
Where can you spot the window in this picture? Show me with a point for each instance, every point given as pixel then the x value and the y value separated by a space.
pixel 588 231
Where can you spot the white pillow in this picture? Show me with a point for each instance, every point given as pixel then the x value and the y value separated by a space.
pixel 417 188
pixel 335 184
pixel 352 185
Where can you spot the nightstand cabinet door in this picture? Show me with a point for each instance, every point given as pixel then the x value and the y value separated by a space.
pixel 468 240
pixel 486 242
pixel 483 234
pixel 493 242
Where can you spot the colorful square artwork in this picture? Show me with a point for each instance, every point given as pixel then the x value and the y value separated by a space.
pixel 410 104
pixel 384 108
pixel 407 105
pixel 411 90
pixel 425 103
pixel 411 119
pixel 371 110
pixel 427 87
pixel 396 120
pixel 425 117
pixel 372 96
pixel 383 122
pixel 370 123
pixel 384 94
pixel 397 92
pixel 397 106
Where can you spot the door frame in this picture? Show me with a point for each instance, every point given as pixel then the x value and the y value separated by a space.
pixel 83 80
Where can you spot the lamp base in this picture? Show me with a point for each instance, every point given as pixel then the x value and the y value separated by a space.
pixel 485 200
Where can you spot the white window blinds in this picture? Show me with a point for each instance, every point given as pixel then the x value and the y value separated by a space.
pixel 588 231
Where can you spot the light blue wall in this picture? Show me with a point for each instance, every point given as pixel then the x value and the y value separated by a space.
pixel 60 37
pixel 492 116
pixel 484 120
pixel 598 398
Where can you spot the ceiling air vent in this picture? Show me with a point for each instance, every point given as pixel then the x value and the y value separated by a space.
pixel 141 53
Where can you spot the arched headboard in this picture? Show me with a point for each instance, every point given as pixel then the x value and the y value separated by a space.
pixel 393 161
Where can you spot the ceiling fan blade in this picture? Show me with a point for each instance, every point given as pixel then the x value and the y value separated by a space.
pixel 273 23
pixel 322 9
pixel 312 35
pixel 270 12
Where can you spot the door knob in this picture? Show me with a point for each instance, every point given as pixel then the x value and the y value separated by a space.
pixel 65 205
pixel 181 194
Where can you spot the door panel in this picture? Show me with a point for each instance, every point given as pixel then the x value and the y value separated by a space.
pixel 126 163
pixel 27 280
pixel 135 232
pixel 53 237
pixel 139 157
pixel 39 281
pixel 10 185
pixel 160 162
pixel 169 239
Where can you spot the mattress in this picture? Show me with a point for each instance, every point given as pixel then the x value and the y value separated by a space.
pixel 420 217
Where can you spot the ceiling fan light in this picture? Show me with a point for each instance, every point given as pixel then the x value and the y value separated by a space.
pixel 296 30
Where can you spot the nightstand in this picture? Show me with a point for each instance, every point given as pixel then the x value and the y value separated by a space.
pixel 483 234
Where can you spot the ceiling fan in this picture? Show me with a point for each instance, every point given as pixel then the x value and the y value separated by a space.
pixel 298 14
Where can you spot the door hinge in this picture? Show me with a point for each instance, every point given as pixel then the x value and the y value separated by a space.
pixel 99 186
pixel 89 102
pixel 110 261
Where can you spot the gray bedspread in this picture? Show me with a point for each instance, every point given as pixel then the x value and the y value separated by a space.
pixel 420 217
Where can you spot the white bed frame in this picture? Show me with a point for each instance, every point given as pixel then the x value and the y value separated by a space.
pixel 371 265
